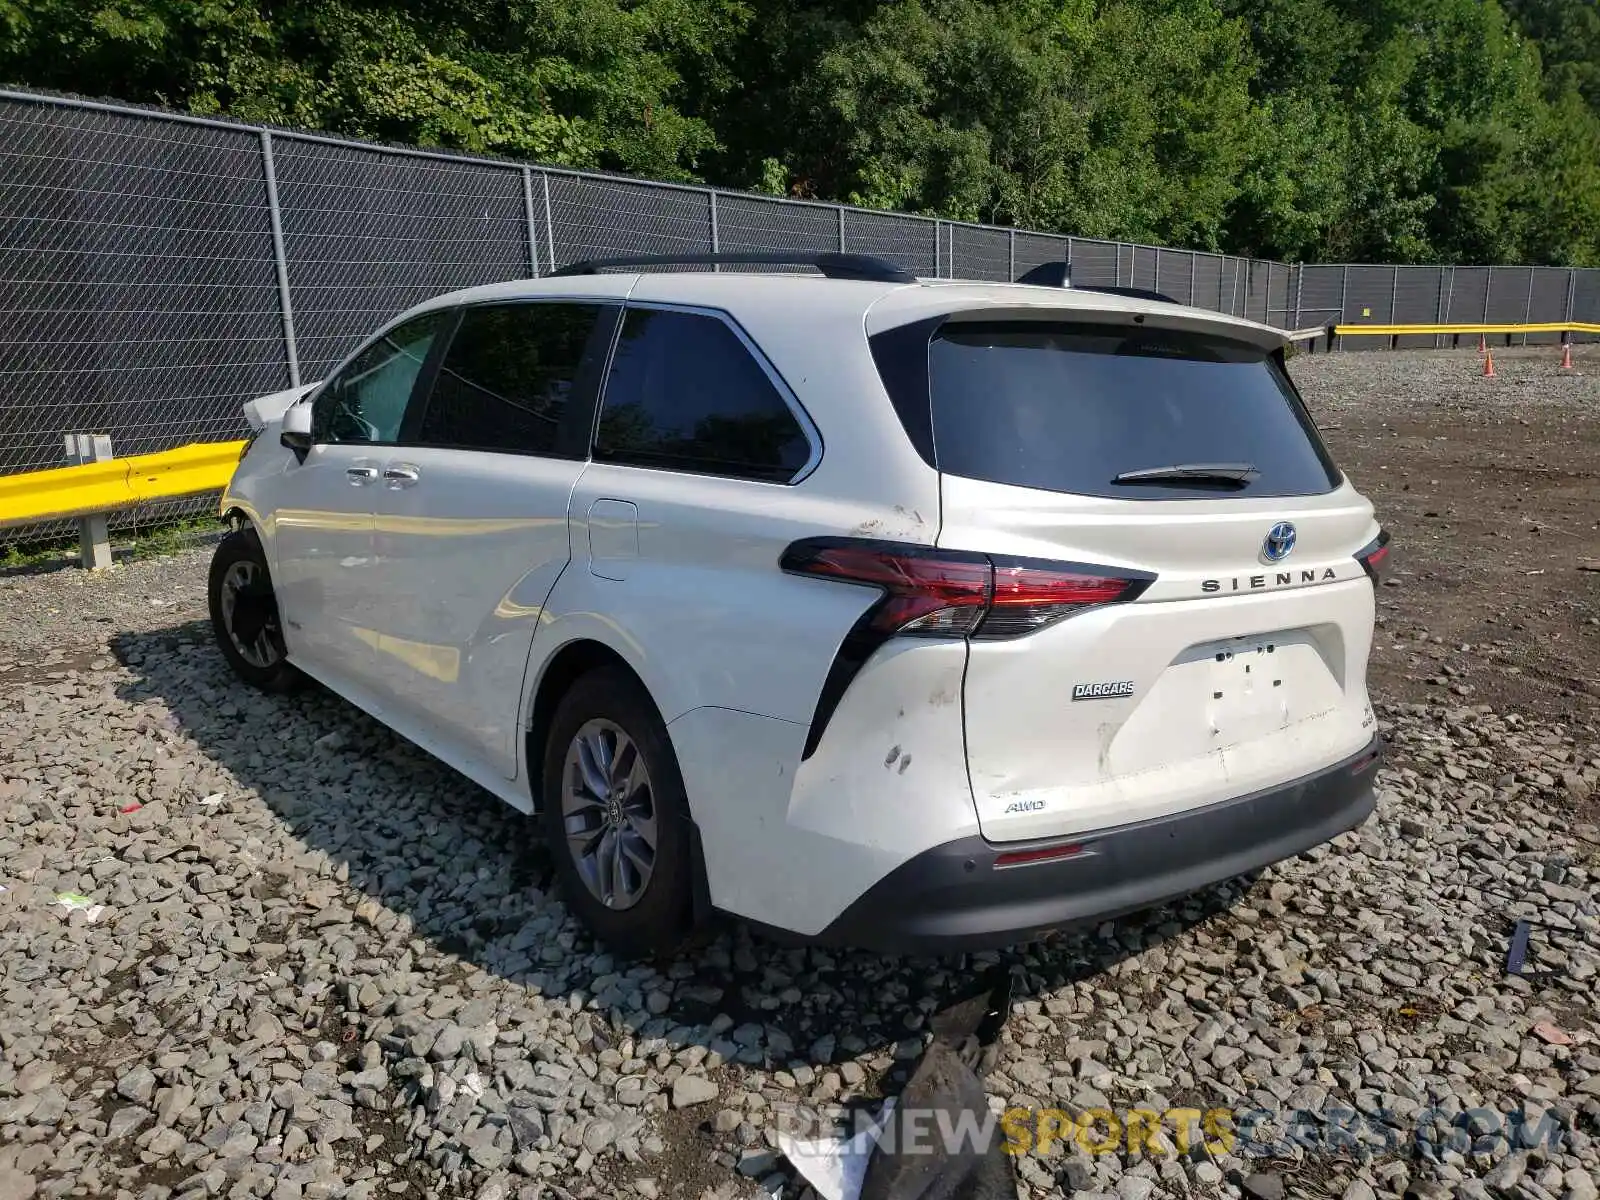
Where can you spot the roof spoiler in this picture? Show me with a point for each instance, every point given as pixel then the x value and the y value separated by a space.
pixel 831 263
pixel 1059 274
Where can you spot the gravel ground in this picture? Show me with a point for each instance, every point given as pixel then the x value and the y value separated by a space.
pixel 321 965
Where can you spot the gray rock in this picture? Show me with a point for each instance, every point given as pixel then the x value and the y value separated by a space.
pixel 1264 1185
pixel 125 1120
pixel 137 1084
pixel 692 1089
pixel 35 1076
pixel 1508 1172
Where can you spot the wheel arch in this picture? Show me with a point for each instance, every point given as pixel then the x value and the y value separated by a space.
pixel 564 668
pixel 557 675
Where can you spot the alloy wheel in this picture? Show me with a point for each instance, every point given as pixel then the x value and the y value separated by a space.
pixel 608 813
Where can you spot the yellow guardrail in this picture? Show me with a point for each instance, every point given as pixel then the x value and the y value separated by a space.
pixel 117 483
pixel 1404 330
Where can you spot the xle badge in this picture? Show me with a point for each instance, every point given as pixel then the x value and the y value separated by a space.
pixel 1102 691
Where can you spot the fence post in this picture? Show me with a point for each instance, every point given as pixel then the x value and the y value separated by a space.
pixel 1011 259
pixel 281 265
pixel 549 224
pixel 938 246
pixel 1440 302
pixel 1394 298
pixel 1344 297
pixel 1572 287
pixel 1299 291
pixel 94 540
pixel 841 229
pixel 716 240
pixel 1194 260
pixel 527 211
pixel 1488 290
pixel 1527 305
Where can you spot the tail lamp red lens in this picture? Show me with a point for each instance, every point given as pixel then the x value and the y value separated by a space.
pixel 957 593
pixel 1374 556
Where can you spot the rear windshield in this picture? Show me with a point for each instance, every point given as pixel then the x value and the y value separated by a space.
pixel 1068 408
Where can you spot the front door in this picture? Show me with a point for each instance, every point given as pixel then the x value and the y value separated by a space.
pixel 322 527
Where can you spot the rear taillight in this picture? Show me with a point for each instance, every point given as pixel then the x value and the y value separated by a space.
pixel 926 593
pixel 1374 557
pixel 958 593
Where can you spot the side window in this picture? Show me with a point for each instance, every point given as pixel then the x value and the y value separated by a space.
pixel 684 393
pixel 366 402
pixel 508 377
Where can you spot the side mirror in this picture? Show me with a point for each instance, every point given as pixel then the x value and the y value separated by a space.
pixel 296 429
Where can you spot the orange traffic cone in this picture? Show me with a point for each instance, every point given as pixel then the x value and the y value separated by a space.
pixel 1488 366
pixel 1483 345
pixel 1566 356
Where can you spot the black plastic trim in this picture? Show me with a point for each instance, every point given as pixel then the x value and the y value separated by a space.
pixel 901 356
pixel 952 898
pixel 1135 293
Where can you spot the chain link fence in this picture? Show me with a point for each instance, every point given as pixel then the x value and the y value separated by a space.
pixel 157 270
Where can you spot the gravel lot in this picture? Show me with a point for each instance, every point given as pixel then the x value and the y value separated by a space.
pixel 320 965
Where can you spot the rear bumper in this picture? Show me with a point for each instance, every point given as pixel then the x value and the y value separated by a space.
pixel 954 898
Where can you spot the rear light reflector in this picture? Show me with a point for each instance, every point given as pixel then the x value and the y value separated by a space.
pixel 1365 761
pixel 1374 556
pixel 1022 858
pixel 958 593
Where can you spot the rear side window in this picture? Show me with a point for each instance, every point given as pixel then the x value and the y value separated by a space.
pixel 1069 408
pixel 685 394
pixel 508 378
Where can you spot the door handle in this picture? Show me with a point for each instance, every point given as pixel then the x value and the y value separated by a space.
pixel 400 475
pixel 360 476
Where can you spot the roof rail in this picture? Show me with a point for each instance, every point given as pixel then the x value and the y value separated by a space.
pixel 830 263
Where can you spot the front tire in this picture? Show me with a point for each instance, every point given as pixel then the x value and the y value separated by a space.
pixel 617 817
pixel 244 614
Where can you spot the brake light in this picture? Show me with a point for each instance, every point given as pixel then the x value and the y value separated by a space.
pixel 959 593
pixel 1374 556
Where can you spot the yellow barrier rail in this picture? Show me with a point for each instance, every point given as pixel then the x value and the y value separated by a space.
pixel 1406 330
pixel 117 483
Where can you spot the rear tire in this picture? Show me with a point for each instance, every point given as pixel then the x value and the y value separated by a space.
pixel 617 817
pixel 244 614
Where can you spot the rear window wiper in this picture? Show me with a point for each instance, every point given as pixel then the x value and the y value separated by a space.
pixel 1236 474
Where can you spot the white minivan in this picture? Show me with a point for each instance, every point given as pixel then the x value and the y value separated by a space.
pixel 906 614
